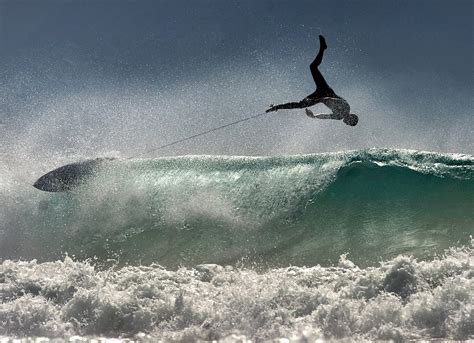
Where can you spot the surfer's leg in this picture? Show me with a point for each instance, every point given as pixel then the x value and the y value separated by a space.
pixel 318 78
pixel 319 57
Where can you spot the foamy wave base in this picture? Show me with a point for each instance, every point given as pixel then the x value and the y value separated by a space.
pixel 400 299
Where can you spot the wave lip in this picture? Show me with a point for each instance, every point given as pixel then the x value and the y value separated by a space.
pixel 70 176
pixel 440 164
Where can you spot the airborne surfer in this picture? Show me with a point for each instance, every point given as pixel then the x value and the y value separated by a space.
pixel 323 94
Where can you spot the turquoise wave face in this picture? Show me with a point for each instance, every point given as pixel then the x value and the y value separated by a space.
pixel 273 211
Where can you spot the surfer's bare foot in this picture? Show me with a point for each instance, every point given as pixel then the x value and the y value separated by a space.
pixel 309 113
pixel 322 42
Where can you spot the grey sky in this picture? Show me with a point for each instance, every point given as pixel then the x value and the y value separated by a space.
pixel 90 77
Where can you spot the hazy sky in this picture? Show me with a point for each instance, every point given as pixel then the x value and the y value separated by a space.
pixel 91 77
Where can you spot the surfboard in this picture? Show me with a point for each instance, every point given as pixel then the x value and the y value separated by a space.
pixel 69 176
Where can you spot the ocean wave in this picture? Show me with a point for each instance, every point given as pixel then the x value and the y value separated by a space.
pixel 274 211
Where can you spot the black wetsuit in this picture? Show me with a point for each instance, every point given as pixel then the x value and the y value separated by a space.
pixel 323 94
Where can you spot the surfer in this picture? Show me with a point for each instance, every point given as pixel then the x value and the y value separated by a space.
pixel 323 94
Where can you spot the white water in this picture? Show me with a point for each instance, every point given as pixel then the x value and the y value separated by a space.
pixel 401 299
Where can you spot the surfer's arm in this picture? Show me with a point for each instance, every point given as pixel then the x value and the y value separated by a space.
pixel 327 116
pixel 310 114
pixel 301 104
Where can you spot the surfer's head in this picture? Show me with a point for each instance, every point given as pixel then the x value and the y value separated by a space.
pixel 351 119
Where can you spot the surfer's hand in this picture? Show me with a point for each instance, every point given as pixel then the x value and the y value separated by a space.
pixel 309 113
pixel 271 109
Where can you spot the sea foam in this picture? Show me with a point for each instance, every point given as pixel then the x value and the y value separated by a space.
pixel 399 299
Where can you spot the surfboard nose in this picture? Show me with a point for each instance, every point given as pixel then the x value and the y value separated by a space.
pixel 51 182
pixel 39 184
pixel 67 177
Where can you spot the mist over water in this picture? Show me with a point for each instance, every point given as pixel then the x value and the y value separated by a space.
pixel 126 120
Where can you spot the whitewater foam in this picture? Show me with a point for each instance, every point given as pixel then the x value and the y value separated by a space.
pixel 400 299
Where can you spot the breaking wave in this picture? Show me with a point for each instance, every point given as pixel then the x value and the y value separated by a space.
pixel 370 244
pixel 274 211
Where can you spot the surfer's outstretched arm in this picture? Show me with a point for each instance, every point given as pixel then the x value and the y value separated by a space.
pixel 301 104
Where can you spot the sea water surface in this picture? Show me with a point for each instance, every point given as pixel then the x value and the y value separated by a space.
pixel 369 244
